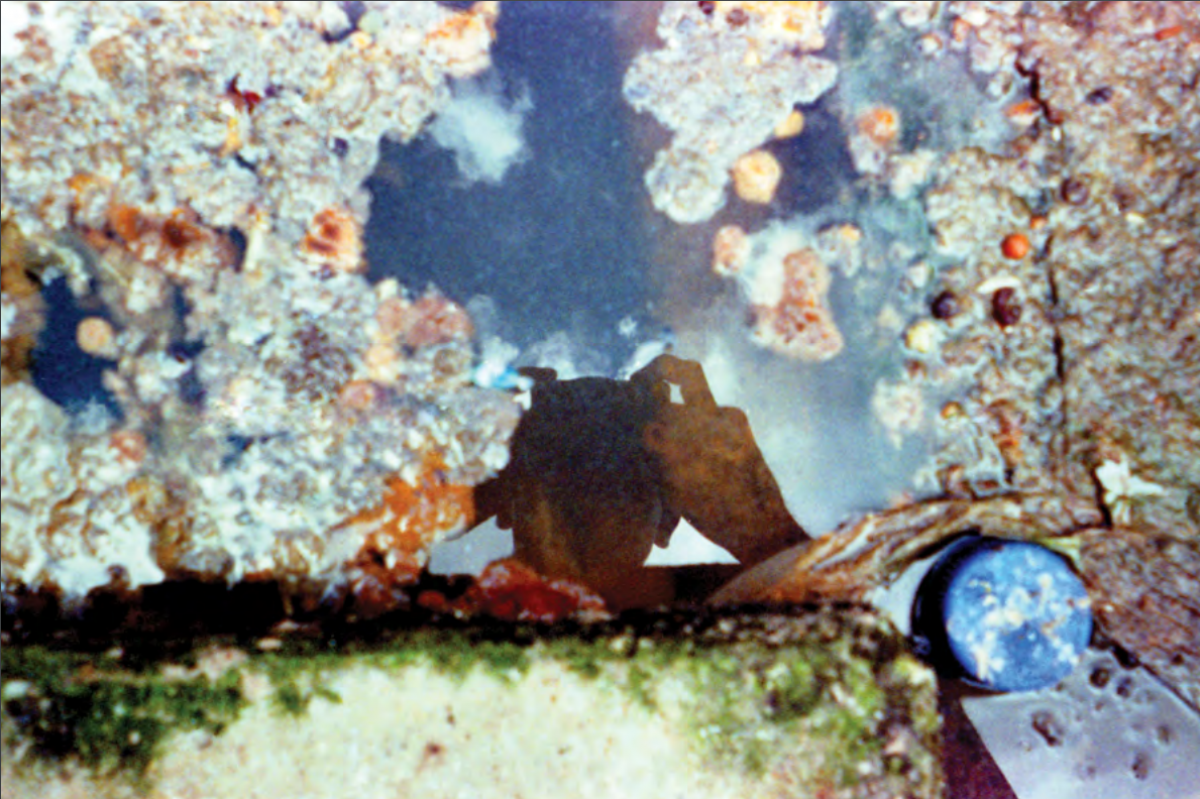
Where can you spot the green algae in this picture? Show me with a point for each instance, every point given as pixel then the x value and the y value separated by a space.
pixel 751 707
pixel 835 684
pixel 110 721
pixel 754 690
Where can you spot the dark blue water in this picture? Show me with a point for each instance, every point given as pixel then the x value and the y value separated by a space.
pixel 60 370
pixel 560 244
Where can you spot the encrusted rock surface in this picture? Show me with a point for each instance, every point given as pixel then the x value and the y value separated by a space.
pixel 194 173
pixel 726 76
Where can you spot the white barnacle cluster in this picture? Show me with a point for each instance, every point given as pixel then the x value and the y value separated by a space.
pixel 722 82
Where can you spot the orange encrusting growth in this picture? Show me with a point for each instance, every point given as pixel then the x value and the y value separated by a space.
pixel 509 590
pixel 178 245
pixel 397 533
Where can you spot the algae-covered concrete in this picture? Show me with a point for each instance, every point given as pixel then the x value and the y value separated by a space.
pixel 822 702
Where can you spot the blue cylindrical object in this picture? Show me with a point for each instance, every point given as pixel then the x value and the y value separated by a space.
pixel 1002 615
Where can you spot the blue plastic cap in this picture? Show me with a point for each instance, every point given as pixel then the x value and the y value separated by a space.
pixel 1016 616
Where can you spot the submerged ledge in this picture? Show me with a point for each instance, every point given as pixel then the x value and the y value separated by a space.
pixel 807 701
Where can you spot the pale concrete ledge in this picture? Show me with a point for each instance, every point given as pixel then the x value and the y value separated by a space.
pixel 822 704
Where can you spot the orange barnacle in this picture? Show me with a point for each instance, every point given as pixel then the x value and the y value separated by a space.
pixel 334 239
pixel 1015 246
pixel 960 29
pixel 393 317
pixel 462 41
pixel 880 124
pixel 95 336
pixel 128 222
pixel 1169 32
pixel 1024 113
pixel 756 175
pixel 179 245
pixel 731 248
pixel 129 446
pixel 790 126
pixel 806 278
pixel 359 395
pixel 437 320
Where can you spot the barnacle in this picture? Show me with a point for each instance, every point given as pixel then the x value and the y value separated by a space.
pixel 1123 489
pixel 429 320
pixel 334 240
pixel 880 124
pixel 800 324
pixel 791 126
pixel 461 43
pixel 874 136
pixel 731 249
pixel 1015 246
pixel 94 335
pixel 756 175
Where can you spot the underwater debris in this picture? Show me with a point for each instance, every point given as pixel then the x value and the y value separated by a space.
pixel 746 64
pixel 602 470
